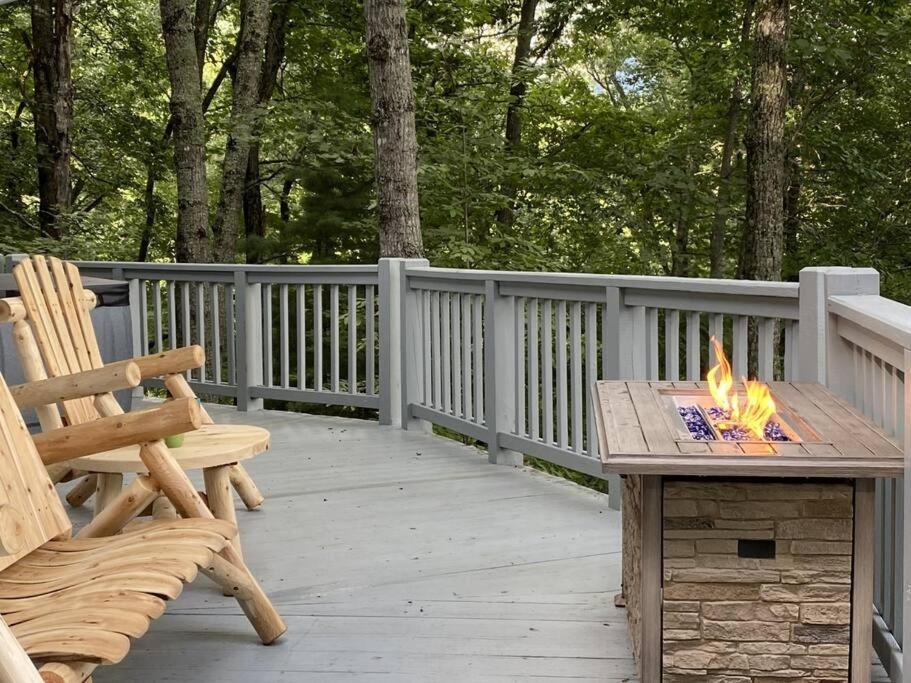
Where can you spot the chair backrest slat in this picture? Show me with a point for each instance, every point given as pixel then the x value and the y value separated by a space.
pixel 51 292
pixel 26 486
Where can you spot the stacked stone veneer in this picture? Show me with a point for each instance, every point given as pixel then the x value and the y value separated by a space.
pixel 728 619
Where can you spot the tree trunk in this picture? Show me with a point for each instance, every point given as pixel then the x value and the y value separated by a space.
pixel 517 91
pixel 251 40
pixel 254 215
pixel 761 254
pixel 722 199
pixel 52 32
pixel 792 217
pixel 177 23
pixel 395 144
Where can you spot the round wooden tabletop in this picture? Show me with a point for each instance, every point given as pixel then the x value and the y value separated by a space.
pixel 209 446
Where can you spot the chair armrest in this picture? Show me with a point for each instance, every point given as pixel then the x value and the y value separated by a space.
pixel 107 433
pixel 78 385
pixel 167 362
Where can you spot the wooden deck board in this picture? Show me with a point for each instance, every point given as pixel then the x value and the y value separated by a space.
pixel 401 556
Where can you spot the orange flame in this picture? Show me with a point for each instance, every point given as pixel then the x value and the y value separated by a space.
pixel 759 406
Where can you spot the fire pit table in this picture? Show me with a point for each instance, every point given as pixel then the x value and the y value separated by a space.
pixel 748 555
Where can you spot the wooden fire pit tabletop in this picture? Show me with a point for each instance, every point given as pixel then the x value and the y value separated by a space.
pixel 639 434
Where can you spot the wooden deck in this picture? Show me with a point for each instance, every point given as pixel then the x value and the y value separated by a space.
pixel 400 556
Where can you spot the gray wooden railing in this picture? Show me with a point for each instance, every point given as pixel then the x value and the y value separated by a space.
pixel 507 358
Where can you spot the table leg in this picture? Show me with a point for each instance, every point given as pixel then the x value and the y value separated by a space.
pixel 221 498
pixel 107 489
pixel 163 508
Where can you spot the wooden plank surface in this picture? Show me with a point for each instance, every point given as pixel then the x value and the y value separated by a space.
pixel 379 547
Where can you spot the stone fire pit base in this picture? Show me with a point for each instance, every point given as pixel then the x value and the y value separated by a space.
pixel 757 580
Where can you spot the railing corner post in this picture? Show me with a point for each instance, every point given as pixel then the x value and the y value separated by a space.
pixel 500 371
pixel 398 341
pixel 823 355
pixel 249 347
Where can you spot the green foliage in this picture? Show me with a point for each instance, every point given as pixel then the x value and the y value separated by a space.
pixel 623 125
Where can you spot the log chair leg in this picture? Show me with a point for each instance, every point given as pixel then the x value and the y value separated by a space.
pixel 122 509
pixel 220 498
pixel 59 472
pixel 245 486
pixel 82 491
pixel 106 490
pixel 71 672
pixel 177 486
pixel 163 508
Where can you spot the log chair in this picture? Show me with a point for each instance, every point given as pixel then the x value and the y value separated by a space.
pixel 72 604
pixel 54 337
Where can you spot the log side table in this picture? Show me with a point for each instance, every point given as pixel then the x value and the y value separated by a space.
pixel 214 449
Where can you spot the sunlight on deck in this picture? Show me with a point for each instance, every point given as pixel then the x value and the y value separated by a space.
pixel 401 556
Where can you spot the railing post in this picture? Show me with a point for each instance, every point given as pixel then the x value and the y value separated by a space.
pixel 399 357
pixel 249 343
pixel 824 357
pixel 623 357
pixel 499 372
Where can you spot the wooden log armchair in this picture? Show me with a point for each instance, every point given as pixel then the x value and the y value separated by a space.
pixel 54 336
pixel 68 604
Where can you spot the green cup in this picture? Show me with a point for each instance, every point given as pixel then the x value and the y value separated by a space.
pixel 174 441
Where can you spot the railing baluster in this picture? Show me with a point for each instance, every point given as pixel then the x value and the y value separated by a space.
pixel 716 329
pixel 144 307
pixel 159 341
pixel 519 360
pixel 216 335
pixel 477 352
pixel 534 418
pixel 791 353
pixel 693 339
pixel 201 326
pixel 268 365
pixel 467 407
pixel 766 348
pixel 283 361
pixel 651 342
pixel 547 370
pixel 672 345
pixel 436 380
pixel 455 308
pixel 301 307
pixel 352 339
pixel 230 333
pixel 427 336
pixel 318 337
pixel 333 338
pixel 591 376
pixel 185 305
pixel 446 360
pixel 561 367
pixel 740 344
pixel 370 345
pixel 173 343
pixel 575 354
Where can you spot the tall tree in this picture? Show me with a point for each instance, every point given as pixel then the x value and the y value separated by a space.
pixel 251 40
pixel 722 199
pixel 179 30
pixel 52 37
pixel 517 90
pixel 761 254
pixel 254 214
pixel 395 144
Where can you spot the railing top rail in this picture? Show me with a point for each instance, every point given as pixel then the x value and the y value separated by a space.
pixel 885 317
pixel 656 282
pixel 228 267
